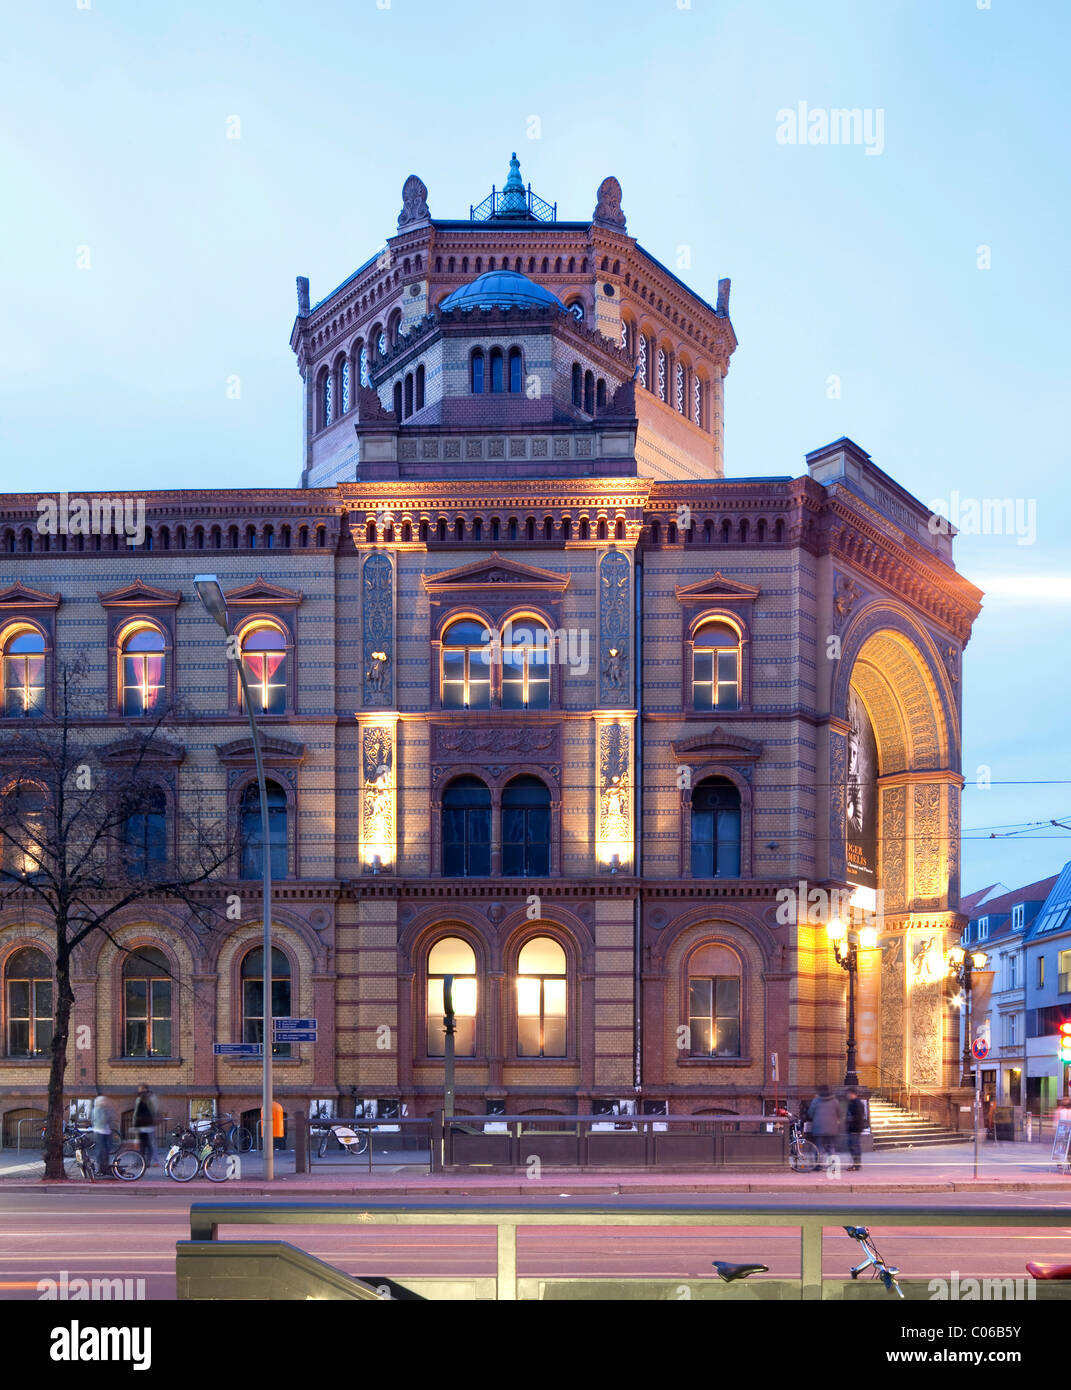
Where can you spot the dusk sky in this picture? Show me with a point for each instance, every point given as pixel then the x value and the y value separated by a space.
pixel 911 293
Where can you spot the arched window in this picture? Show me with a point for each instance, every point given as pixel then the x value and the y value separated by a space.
pixel 578 386
pixel 253 996
pixel 715 829
pixel 515 370
pixel 477 372
pixel 24 673
pixel 496 369
pixel 146 1004
pixel 661 374
pixel 452 956
pixel 145 834
pixel 466 829
pixel 23 845
pixel 398 400
pixel 420 387
pixel 29 1003
pixel 714 1002
pixel 589 393
pixel 264 664
pixel 252 832
pixel 142 662
pixel 600 394
pixel 716 667
pixel 466 668
pixel 542 999
pixel 408 394
pixel 641 369
pixel 326 398
pixel 526 666
pixel 344 385
pixel 525 828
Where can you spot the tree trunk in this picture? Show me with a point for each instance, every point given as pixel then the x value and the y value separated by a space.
pixel 61 1032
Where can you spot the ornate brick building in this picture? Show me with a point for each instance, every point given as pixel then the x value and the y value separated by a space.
pixel 549 703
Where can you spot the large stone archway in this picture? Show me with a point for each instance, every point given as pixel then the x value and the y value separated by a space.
pixel 895 697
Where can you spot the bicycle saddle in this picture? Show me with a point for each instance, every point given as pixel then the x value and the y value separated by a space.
pixel 729 1272
pixel 1043 1269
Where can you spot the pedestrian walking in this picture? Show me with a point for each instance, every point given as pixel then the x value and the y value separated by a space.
pixel 144 1123
pixel 102 1121
pixel 854 1124
pixel 825 1117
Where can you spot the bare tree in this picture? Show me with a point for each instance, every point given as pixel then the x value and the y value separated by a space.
pixel 79 836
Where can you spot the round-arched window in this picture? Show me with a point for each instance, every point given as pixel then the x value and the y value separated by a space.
pixel 452 956
pixel 542 999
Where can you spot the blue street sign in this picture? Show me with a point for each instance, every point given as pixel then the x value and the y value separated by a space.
pixel 237 1049
pixel 288 1023
pixel 293 1035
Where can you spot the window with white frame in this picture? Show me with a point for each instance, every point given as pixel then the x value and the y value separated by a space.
pixel 1018 912
pixel 983 928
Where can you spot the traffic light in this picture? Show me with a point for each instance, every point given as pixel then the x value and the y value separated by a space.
pixel 1065 1041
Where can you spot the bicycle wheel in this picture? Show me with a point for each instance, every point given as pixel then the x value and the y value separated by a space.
pixel 128 1165
pixel 241 1139
pixel 322 1150
pixel 361 1145
pixel 217 1166
pixel 182 1165
pixel 805 1157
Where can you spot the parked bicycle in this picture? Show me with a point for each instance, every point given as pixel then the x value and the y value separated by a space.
pixel 351 1141
pixel 803 1155
pixel 185 1162
pixel 70 1134
pixel 886 1273
pixel 125 1162
pixel 224 1129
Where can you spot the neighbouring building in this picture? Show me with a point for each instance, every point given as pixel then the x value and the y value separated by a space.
pixel 999 925
pixel 551 703
pixel 1048 996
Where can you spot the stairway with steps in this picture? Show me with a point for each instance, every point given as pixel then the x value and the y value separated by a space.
pixel 893 1127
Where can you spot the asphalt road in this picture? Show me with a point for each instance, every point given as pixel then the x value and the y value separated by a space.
pixel 121 1234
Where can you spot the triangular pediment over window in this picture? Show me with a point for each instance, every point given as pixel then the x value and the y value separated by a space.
pixel 17 595
pixel 276 751
pixel 498 574
pixel 262 591
pixel 150 752
pixel 141 595
pixel 717 746
pixel 718 587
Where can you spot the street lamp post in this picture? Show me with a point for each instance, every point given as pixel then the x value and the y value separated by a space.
pixel 210 593
pixel 846 953
pixel 961 964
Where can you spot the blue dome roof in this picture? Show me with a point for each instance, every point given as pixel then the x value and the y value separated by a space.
pixel 501 289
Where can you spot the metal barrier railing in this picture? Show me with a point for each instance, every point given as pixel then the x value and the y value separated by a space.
pixel 811 1221
pixel 427 1131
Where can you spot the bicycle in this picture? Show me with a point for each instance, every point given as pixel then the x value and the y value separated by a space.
pixel 226 1130
pixel 183 1163
pixel 887 1273
pixel 125 1162
pixel 803 1155
pixel 70 1134
pixel 351 1141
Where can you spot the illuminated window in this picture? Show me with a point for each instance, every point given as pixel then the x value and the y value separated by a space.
pixel 146 1003
pixel 525 828
pixel 715 829
pixel 29 1003
pixel 22 820
pixel 452 956
pixel 542 999
pixel 526 667
pixel 264 663
pixel 714 1003
pixel 253 996
pixel 24 673
pixel 142 662
pixel 466 666
pixel 466 829
pixel 716 667
pixel 145 835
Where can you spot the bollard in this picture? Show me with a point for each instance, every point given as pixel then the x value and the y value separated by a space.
pixel 301 1142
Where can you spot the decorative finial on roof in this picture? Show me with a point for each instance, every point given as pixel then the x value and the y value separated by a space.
pixel 608 208
pixel 514 198
pixel 414 202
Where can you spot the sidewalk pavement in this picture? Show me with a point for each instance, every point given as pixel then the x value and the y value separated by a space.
pixel 1003 1167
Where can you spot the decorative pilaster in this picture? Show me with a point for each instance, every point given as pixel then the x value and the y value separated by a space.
pixel 615 623
pixel 377 617
pixel 614 809
pixel 378 828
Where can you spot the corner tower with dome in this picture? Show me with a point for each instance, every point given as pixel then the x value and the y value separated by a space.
pixel 552 702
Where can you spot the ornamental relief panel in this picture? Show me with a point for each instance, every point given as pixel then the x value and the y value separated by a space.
pixel 534 743
pixel 925 1062
pixel 838 772
pixel 892 842
pixel 377 614
pixel 615 611
pixel 614 811
pixel 377 794
pixel 927 842
pixel 892 1010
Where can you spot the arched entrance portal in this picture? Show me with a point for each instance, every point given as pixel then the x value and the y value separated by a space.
pixel 895 794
